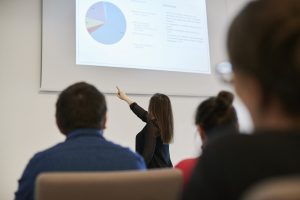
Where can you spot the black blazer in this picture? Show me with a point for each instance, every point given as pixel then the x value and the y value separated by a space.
pixel 148 142
pixel 232 164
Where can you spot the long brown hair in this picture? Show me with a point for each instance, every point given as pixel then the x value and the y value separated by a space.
pixel 160 108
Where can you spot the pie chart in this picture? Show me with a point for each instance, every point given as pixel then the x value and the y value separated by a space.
pixel 105 22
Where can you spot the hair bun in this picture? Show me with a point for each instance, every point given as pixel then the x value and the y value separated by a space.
pixel 224 100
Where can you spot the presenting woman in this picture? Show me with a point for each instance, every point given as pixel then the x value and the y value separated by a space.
pixel 152 142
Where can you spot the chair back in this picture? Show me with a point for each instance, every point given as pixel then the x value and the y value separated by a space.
pixel 163 184
pixel 285 188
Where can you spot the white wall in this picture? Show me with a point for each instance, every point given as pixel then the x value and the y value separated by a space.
pixel 27 122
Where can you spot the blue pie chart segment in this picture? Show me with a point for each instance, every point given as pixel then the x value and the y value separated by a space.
pixel 105 22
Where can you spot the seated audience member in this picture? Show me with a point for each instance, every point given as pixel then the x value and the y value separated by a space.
pixel 213 116
pixel 81 117
pixel 264 49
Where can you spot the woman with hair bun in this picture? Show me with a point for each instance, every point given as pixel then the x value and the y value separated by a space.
pixel 213 117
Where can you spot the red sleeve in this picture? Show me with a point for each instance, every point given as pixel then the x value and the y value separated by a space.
pixel 187 166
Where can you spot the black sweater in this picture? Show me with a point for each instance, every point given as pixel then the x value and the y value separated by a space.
pixel 148 142
pixel 231 164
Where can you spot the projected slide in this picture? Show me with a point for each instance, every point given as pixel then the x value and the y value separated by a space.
pixel 169 35
pixel 106 23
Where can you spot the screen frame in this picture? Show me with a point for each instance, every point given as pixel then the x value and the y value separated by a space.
pixel 59 67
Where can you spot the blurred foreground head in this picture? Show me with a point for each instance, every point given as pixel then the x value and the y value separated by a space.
pixel 264 49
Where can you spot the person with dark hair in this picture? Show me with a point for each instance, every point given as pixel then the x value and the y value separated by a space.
pixel 153 141
pixel 264 50
pixel 213 117
pixel 81 117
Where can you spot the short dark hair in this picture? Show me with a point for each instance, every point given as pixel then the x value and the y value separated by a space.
pixel 160 108
pixel 217 112
pixel 80 105
pixel 264 42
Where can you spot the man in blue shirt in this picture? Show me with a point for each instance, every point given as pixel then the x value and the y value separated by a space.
pixel 81 116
